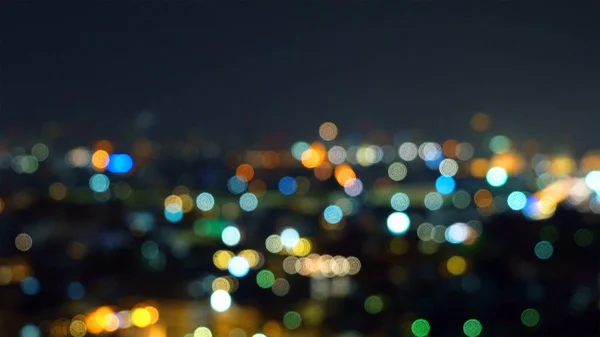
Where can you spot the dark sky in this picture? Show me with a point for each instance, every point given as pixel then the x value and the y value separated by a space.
pixel 239 69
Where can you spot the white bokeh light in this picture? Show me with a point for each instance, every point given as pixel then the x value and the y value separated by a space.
pixel 220 301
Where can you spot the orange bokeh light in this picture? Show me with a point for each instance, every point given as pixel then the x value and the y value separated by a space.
pixel 246 171
pixel 343 173
pixel 100 159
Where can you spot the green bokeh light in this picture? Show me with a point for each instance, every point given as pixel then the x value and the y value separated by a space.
pixel 292 320
pixel 472 328
pixel 373 305
pixel 265 279
pixel 420 328
pixel 530 317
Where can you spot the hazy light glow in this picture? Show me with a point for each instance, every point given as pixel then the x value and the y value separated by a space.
pixel 398 223
pixel 238 266
pixel 220 301
pixel 231 236
pixel 496 176
pixel 290 237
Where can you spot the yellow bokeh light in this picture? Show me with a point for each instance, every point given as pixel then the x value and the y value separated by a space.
pixel 173 203
pixel 456 265
pixel 77 328
pixel 251 256
pixel 153 314
pixel 187 203
pixel 100 160
pixel 141 317
pixel 221 283
pixel 221 259
pixel 303 247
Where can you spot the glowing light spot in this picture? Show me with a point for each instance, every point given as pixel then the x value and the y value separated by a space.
pixel 517 201
pixel 408 151
pixel 472 328
pixel 99 183
pixel 457 233
pixel 400 202
pixel 353 187
pixel 141 317
pixel 23 242
pixel 456 265
pixel 496 176
pixel 205 201
pixel 287 185
pixel 202 332
pixel 292 320
pixel 397 171
pixel 420 328
pixel 290 238
pixel 328 131
pixel 238 266
pixel 30 330
pixel 231 236
pixel 445 185
pixel 448 167
pixel 298 149
pixel 500 144
pixel 100 159
pixel 75 291
pixel 337 155
pixel 592 180
pixel 30 286
pixel 543 250
pixel 120 163
pixel 433 201
pixel 373 305
pixel 248 202
pixel 246 171
pixel 220 301
pixel 237 184
pixel 333 214
pixel 173 217
pixel 398 223
pixel 265 279
pixel 530 317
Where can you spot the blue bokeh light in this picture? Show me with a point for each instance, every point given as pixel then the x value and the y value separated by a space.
pixel 333 214
pixel 287 185
pixel 99 183
pixel 173 217
pixel 119 163
pixel 517 200
pixel 445 185
pixel 30 330
pixel 75 290
pixel 30 286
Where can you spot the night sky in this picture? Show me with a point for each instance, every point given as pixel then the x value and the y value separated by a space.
pixel 239 69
